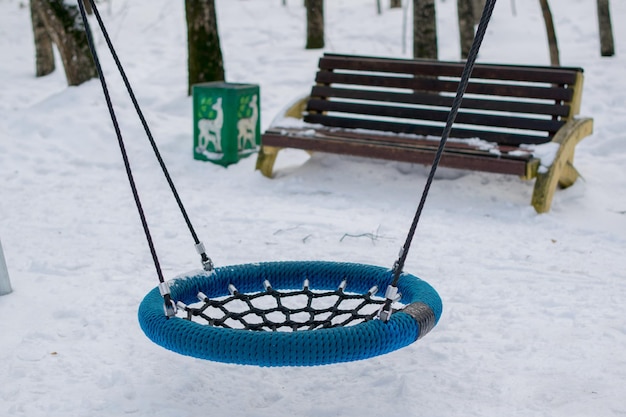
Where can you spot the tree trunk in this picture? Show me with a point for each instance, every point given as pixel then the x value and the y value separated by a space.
pixel 65 28
pixel 424 29
pixel 87 5
pixel 394 4
pixel 44 53
pixel 607 48
pixel 552 43
pixel 477 9
pixel 465 11
pixel 205 60
pixel 315 24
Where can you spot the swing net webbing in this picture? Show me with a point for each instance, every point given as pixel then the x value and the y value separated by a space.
pixel 284 310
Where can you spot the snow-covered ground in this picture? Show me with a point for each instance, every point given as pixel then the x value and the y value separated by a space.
pixel 534 319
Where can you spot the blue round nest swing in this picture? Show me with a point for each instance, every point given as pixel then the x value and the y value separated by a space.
pixel 422 309
pixel 409 309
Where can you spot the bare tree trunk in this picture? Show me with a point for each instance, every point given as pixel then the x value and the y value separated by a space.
pixel 465 11
pixel 87 5
pixel 424 29
pixel 607 47
pixel 314 24
pixel 44 53
pixel 205 62
pixel 552 43
pixel 65 28
pixel 477 9
pixel 394 4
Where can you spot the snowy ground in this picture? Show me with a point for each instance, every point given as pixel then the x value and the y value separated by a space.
pixel 534 305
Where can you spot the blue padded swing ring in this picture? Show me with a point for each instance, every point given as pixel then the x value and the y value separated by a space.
pixel 297 348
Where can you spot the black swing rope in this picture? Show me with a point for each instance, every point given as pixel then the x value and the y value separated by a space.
pixel 170 307
pixel 206 261
pixel 456 104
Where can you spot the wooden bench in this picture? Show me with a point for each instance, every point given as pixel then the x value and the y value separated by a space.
pixel 396 109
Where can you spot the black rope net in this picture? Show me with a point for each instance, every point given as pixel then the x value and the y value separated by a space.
pixel 284 310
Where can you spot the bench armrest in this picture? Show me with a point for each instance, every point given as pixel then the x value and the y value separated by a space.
pixel 574 131
pixel 562 171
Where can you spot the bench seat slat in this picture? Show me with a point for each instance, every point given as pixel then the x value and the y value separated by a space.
pixel 557 110
pixel 438 85
pixel 453 145
pixel 541 74
pixel 397 152
pixel 377 110
pixel 423 129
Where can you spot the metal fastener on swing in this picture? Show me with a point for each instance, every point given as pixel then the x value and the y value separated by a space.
pixel 169 307
pixel 207 263
pixel 391 296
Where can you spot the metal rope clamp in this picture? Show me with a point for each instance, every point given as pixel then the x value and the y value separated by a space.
pixel 391 296
pixel 169 306
pixel 207 263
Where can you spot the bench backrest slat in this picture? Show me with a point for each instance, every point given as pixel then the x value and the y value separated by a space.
pixel 436 85
pixel 479 119
pixel 438 100
pixel 426 130
pixel 506 104
pixel 541 74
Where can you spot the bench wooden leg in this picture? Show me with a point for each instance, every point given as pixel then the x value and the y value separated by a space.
pixel 267 154
pixel 562 171
pixel 265 160
pixel 569 175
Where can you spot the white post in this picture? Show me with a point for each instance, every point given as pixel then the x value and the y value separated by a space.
pixel 5 285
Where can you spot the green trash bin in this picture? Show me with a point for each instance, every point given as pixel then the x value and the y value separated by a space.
pixel 226 121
